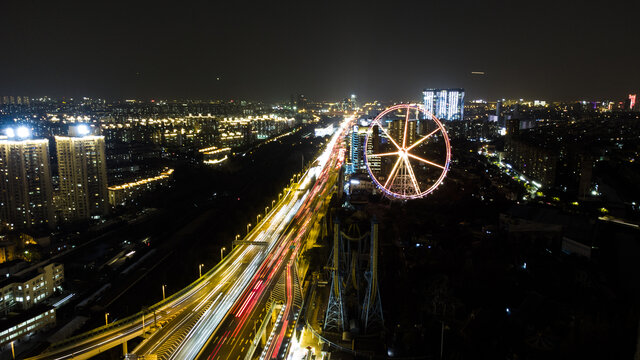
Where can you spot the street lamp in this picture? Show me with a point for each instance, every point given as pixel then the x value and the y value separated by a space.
pixel 266 210
pixel 106 319
pixel 163 286
pixel 258 218
pixel 222 253
pixel 272 202
pixel 200 269
pixel 279 195
pixel 237 237
pixel 248 227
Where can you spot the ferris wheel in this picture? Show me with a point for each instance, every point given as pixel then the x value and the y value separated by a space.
pixel 407 151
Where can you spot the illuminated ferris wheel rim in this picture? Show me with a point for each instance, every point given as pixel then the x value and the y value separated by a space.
pixel 441 129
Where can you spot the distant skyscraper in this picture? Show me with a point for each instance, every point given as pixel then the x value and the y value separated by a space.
pixel 301 102
pixel 445 104
pixel 26 194
pixel 83 176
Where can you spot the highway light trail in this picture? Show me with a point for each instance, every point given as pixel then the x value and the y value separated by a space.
pixel 232 291
pixel 279 260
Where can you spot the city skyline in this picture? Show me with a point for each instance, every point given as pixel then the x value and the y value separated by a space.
pixel 269 52
pixel 319 180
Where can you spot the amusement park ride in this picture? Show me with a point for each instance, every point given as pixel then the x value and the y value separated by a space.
pixel 407 154
pixel 410 149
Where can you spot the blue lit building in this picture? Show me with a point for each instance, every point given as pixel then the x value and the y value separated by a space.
pixel 445 104
pixel 355 161
pixel 355 150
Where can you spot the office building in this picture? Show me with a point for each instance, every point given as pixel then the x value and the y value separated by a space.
pixel 26 193
pixel 445 104
pixel 83 176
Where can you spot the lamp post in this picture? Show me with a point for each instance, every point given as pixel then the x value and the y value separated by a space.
pixel 272 202
pixel 279 196
pixel 258 218
pixel 266 210
pixel 200 269
pixel 163 286
pixel 248 227
pixel 222 253
pixel 106 319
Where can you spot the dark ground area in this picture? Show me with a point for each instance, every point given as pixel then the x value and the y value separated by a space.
pixel 448 262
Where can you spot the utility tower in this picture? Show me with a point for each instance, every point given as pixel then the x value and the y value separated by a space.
pixel 372 307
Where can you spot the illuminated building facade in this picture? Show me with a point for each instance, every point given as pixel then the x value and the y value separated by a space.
pixel 22 297
pixel 357 138
pixel 373 147
pixel 355 150
pixel 121 194
pixel 83 177
pixel 445 104
pixel 7 250
pixel 26 193
pixel 14 100
pixel 17 327
pixel 532 160
pixel 31 287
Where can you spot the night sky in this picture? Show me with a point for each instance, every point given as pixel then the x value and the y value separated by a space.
pixel 556 50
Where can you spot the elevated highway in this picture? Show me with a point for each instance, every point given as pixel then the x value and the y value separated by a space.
pixel 227 298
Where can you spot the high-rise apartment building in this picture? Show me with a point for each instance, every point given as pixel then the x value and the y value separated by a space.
pixel 83 177
pixel 355 150
pixel 26 194
pixel 445 104
pixel 357 139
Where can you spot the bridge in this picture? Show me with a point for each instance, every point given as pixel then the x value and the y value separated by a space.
pixel 220 315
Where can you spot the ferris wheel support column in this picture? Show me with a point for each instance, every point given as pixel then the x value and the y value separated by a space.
pixel 372 307
pixel 335 316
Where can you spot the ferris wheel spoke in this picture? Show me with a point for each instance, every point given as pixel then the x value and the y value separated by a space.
pixel 384 154
pixel 422 139
pixel 392 174
pixel 387 134
pixel 425 161
pixel 407 163
pixel 406 126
